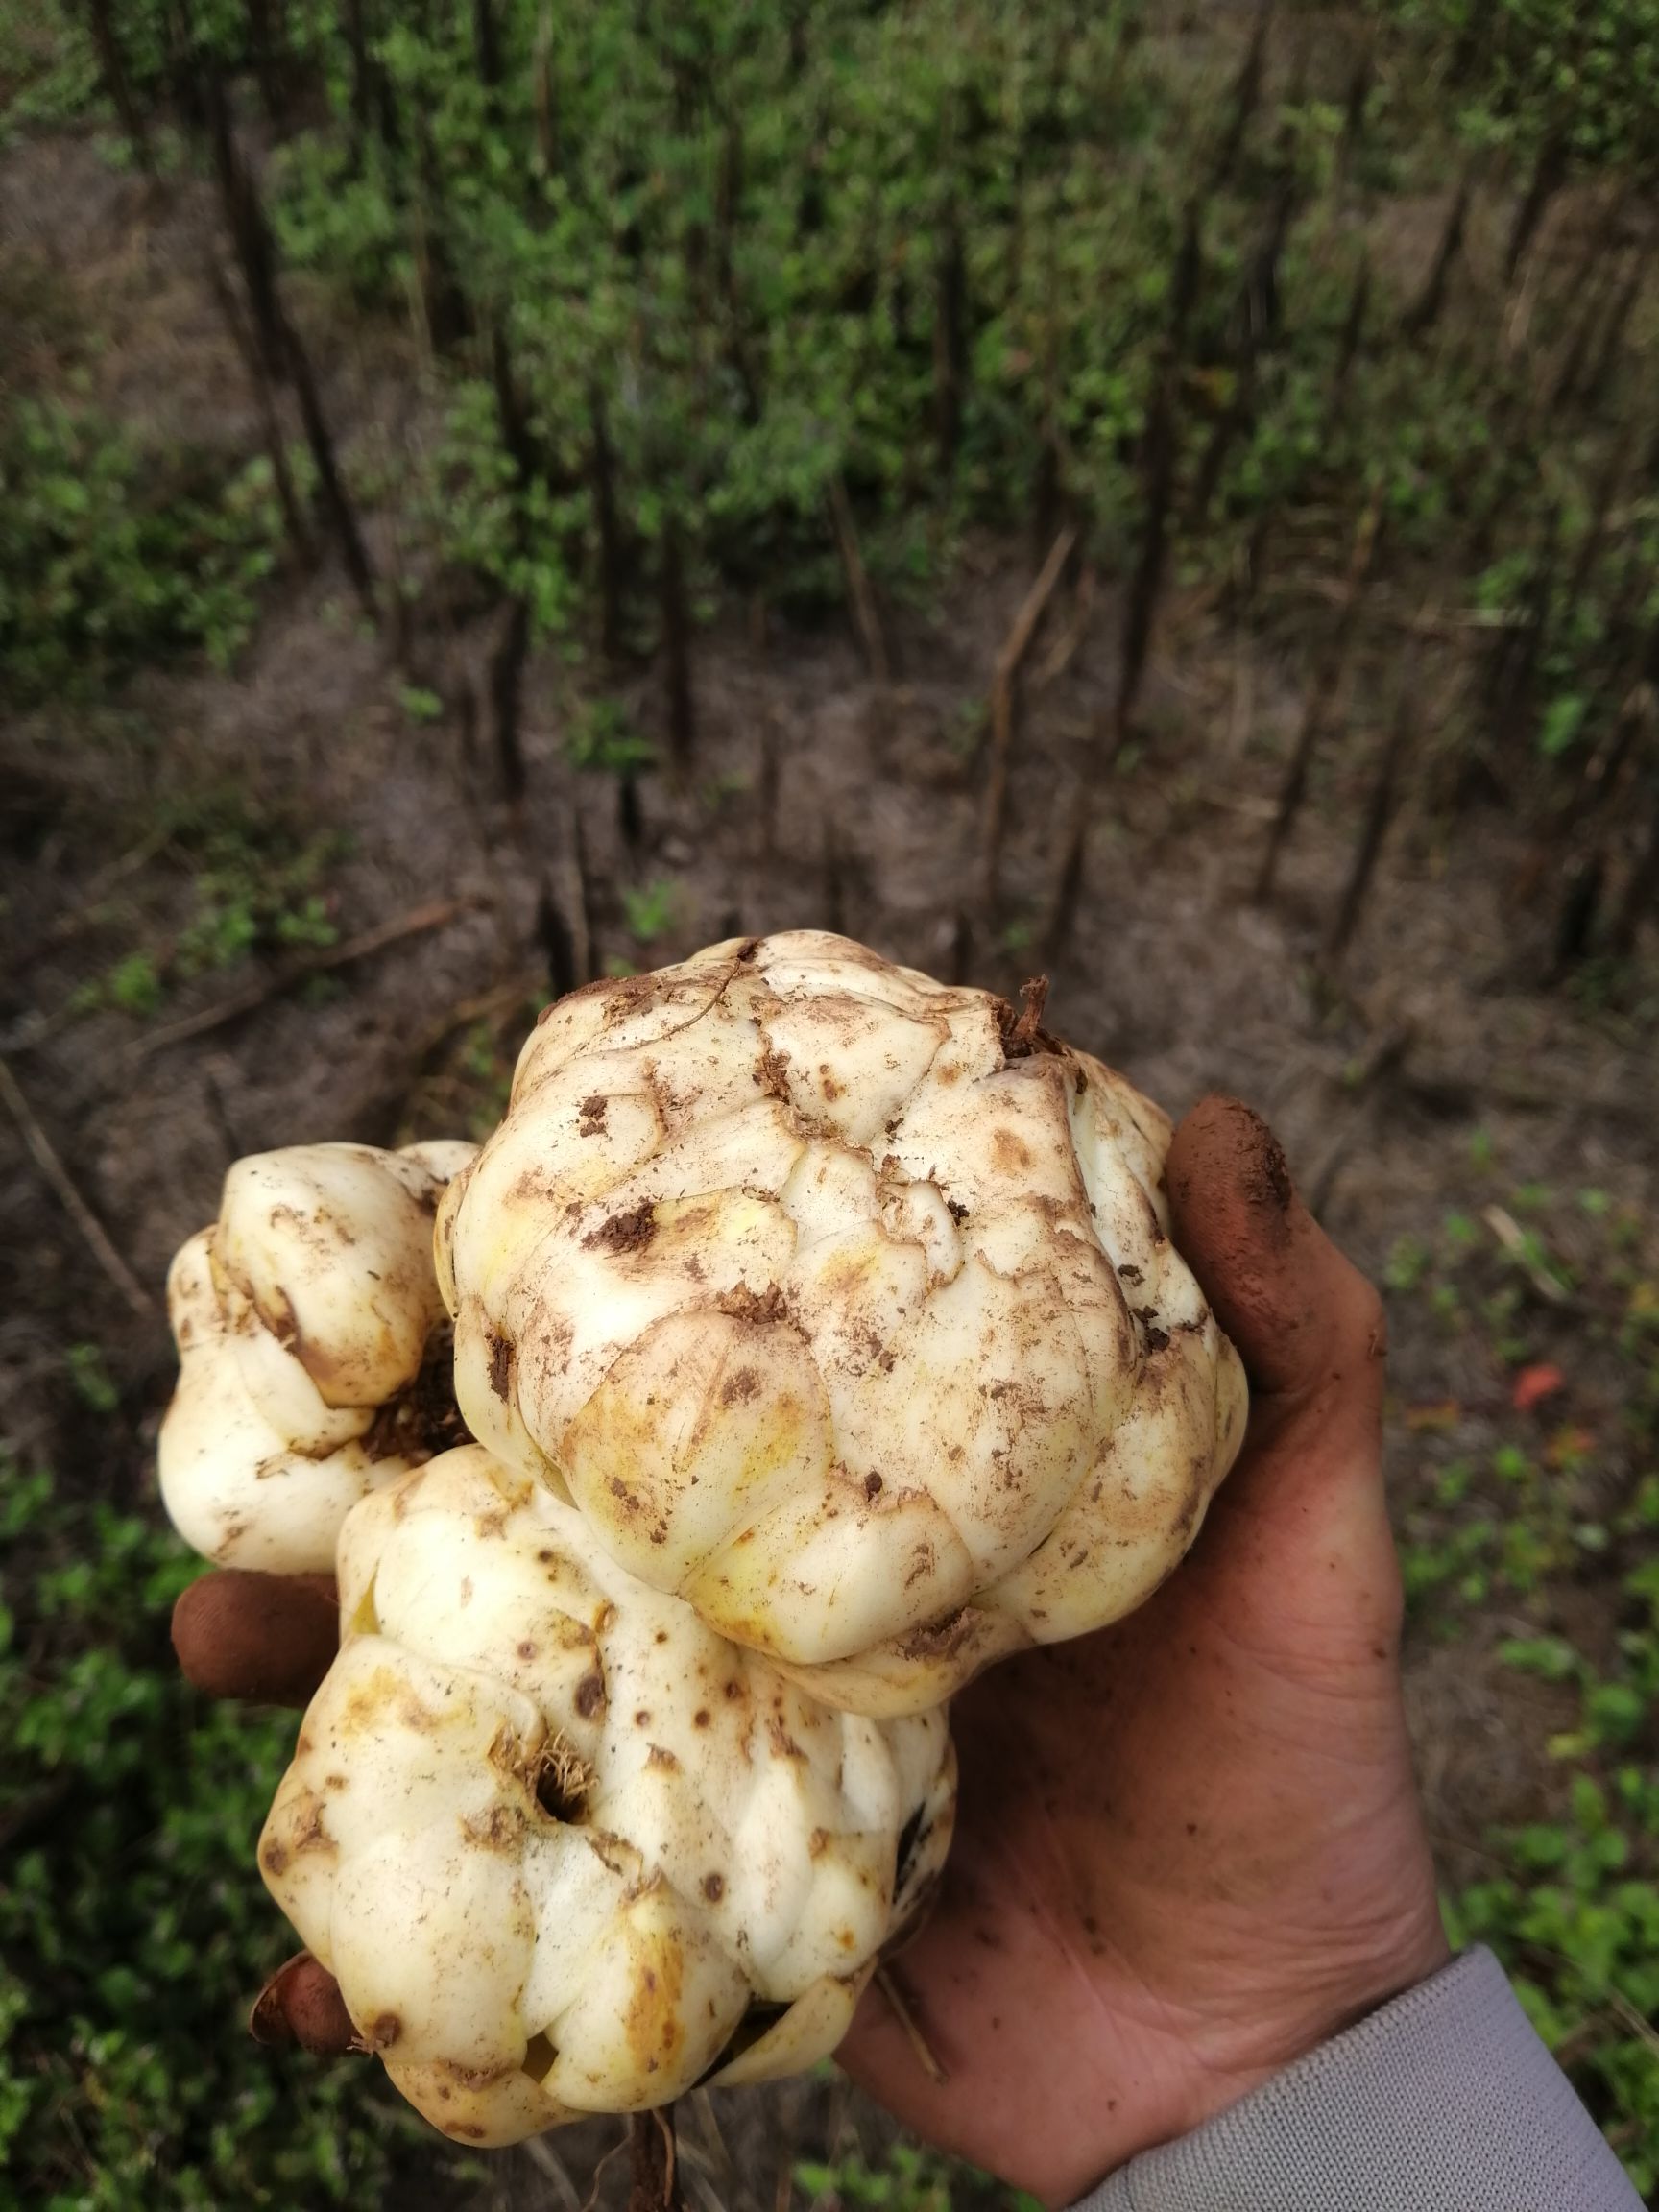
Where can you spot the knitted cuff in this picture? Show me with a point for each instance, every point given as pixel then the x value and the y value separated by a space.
pixel 1444 2101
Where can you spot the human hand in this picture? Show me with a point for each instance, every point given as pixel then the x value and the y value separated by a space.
pixel 1190 1847
pixel 270 1638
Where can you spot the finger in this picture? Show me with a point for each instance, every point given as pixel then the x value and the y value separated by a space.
pixel 1305 1516
pixel 301 2003
pixel 265 1637
pixel 1298 1312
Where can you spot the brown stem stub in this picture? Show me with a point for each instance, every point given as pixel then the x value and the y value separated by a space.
pixel 654 2185
pixel 1023 1033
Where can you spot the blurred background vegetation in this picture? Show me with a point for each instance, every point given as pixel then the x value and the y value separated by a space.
pixel 557 359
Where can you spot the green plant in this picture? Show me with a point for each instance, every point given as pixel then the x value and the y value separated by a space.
pixel 91 1378
pixel 905 2177
pixel 602 735
pixel 109 558
pixel 1521 1529
pixel 48 71
pixel 255 891
pixel 1575 1915
pixel 132 1934
pixel 650 908
pixel 133 984
pixel 420 703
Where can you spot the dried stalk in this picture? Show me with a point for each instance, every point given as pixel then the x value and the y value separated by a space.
pixel 1379 809
pixel 1322 697
pixel 864 610
pixel 436 915
pixel 1009 662
pixel 92 1231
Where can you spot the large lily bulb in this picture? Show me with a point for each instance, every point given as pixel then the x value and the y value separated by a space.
pixel 565 1849
pixel 843 1306
pixel 314 1350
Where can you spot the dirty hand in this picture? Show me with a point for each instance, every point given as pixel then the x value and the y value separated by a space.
pixel 1190 1847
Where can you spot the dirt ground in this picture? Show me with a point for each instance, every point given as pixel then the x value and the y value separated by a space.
pixel 1438 1029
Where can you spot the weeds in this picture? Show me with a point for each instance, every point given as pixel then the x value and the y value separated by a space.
pixel 1555 1505
pixel 257 891
pixel 126 2077
pixel 102 569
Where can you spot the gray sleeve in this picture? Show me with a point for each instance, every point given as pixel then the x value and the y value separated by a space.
pixel 1444 2101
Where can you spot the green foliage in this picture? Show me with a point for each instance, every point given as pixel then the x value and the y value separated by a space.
pixel 257 890
pixel 132 1930
pixel 487 1070
pixel 602 735
pixel 1528 73
pixel 104 566
pixel 650 909
pixel 255 893
pixel 131 984
pixel 699 273
pixel 91 1378
pixel 48 73
pixel 1570 1903
pixel 420 703
pixel 1575 1914
pixel 905 2178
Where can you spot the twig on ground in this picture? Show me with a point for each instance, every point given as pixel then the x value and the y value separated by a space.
pixel 547 2161
pixel 771 735
pixel 961 947
pixel 583 929
pixel 1323 696
pixel 1378 813
pixel 1367 1093
pixel 74 1205
pixel 834 879
pixel 518 989
pixel 1522 1249
pixel 1064 650
pixel 719 2151
pixel 85 913
pixel 437 915
pixel 1068 880
pixel 864 608
pixel 1015 647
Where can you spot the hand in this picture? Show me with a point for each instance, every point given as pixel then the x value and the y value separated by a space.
pixel 1190 1847
pixel 270 1638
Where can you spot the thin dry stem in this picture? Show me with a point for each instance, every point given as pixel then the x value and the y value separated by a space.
pixel 930 2065
pixel 92 1230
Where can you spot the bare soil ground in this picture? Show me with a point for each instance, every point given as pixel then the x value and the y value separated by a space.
pixel 1439 1027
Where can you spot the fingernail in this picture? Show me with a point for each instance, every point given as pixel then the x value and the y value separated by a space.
pixel 301 2003
pixel 267 2022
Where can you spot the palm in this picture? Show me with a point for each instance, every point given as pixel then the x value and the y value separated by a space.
pixel 1189 1847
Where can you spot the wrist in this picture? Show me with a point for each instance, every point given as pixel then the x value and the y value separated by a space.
pixel 1325 1993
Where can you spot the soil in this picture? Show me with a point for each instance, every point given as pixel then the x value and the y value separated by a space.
pixel 1440 1024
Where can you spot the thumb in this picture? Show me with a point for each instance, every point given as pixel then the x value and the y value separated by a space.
pixel 265 1637
pixel 301 2003
pixel 1302 1316
pixel 1310 1332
